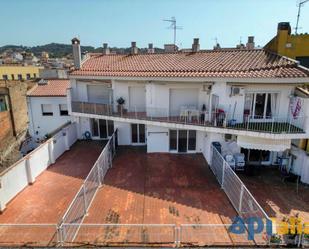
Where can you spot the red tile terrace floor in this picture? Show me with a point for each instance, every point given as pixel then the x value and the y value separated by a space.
pixel 277 197
pixel 48 198
pixel 159 188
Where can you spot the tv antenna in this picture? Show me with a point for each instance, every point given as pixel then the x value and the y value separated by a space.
pixel 300 4
pixel 173 26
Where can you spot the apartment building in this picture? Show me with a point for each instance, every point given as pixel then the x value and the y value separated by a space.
pixel 13 119
pixel 182 102
pixel 47 107
pixel 18 72
pixel 295 46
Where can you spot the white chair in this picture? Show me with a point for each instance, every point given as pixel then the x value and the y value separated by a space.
pixel 183 112
pixel 194 114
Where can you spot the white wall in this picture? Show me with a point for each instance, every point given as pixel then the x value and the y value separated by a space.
pixel 124 132
pixel 208 139
pixel 24 172
pixel 157 139
pixel 40 125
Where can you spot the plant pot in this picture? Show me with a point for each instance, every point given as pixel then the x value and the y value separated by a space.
pixel 305 242
pixel 290 239
pixel 119 108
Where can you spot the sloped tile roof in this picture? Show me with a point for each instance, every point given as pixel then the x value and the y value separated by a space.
pixel 53 88
pixel 222 63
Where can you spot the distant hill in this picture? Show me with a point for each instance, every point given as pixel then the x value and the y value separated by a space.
pixel 58 50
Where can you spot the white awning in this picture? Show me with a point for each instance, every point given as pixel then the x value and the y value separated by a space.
pixel 263 143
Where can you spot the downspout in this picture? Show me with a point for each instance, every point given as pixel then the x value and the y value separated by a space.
pixel 11 112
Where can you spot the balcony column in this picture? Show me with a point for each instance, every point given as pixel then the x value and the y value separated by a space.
pixel 69 100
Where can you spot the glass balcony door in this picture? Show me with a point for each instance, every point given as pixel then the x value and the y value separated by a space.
pixel 101 128
pixel 182 141
pixel 138 134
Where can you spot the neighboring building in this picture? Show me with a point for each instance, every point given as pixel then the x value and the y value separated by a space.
pixel 13 119
pixel 18 72
pixel 53 73
pixel 287 44
pixel 182 102
pixel 47 107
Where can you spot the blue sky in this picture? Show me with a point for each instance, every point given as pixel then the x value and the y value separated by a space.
pixel 118 22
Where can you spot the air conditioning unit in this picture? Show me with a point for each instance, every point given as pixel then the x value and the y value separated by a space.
pixel 237 91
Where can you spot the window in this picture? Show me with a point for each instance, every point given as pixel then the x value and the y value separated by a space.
pixel 20 77
pixel 5 77
pixel 138 134
pixel 47 110
pixel 63 110
pixel 13 76
pixel 182 140
pixel 261 105
pixel 102 128
pixel 28 76
pixel 3 103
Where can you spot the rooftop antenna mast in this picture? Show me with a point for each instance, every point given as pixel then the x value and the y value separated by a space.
pixel 173 26
pixel 300 4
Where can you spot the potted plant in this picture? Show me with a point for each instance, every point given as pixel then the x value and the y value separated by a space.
pixel 120 102
pixel 275 240
pixel 305 240
pixel 291 238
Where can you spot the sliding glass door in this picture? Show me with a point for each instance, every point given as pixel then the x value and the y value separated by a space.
pixel 182 141
pixel 101 128
pixel 261 105
pixel 138 134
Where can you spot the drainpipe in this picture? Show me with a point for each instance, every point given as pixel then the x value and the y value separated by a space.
pixel 11 113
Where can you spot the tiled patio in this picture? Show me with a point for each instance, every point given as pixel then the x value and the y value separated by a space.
pixel 144 188
pixel 277 197
pixel 48 198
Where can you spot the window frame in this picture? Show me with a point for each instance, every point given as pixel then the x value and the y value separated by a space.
pixel 63 112
pixel 47 113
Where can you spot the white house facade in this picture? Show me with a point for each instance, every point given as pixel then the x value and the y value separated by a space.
pixel 182 102
pixel 47 107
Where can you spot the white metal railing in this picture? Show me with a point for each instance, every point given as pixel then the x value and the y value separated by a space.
pixel 240 197
pixel 271 124
pixel 128 234
pixel 218 235
pixel 79 206
pixel 28 235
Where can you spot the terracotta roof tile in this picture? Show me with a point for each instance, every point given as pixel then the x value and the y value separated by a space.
pixel 221 63
pixel 53 88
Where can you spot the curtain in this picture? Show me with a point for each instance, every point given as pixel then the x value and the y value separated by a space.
pixel 273 103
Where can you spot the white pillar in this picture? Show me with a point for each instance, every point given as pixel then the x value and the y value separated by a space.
pixel 50 151
pixel 28 170
pixel 66 138
pixel 2 202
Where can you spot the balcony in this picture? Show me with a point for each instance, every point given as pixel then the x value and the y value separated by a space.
pixel 272 125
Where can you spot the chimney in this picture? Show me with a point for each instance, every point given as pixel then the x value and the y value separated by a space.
pixel 134 49
pixel 150 49
pixel 284 26
pixel 77 58
pixel 250 43
pixel 106 49
pixel 195 45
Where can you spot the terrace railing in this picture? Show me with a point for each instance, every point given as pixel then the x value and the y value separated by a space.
pixel 28 235
pixel 269 124
pixel 121 234
pixel 79 206
pixel 240 197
